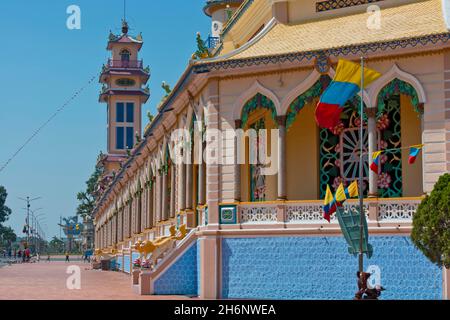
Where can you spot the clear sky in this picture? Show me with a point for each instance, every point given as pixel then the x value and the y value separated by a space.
pixel 43 63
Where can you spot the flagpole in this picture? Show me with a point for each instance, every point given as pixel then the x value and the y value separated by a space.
pixel 361 168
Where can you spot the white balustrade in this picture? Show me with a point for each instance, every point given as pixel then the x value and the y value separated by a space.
pixel 258 213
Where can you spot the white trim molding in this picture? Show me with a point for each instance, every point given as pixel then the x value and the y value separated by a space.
pixel 250 93
pixel 395 73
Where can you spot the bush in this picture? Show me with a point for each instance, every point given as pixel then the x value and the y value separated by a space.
pixel 431 223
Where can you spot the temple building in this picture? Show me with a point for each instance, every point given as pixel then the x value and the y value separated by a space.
pixel 216 227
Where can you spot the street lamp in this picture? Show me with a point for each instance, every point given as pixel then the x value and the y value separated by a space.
pixel 28 201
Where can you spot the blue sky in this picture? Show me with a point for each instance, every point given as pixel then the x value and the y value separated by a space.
pixel 44 63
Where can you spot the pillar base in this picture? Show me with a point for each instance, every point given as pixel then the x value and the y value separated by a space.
pixel 145 283
pixel 135 276
pixel 190 218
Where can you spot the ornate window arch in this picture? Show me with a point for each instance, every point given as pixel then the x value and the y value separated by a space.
pixel 125 55
pixel 258 101
pixel 397 81
pixel 249 94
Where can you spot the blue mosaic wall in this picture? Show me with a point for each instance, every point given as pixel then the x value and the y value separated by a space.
pixel 321 268
pixel 119 262
pixel 198 267
pixel 126 263
pixel 181 277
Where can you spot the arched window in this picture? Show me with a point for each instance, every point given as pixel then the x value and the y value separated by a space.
pixel 125 55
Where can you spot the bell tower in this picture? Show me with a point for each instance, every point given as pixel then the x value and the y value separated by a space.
pixel 124 91
pixel 220 12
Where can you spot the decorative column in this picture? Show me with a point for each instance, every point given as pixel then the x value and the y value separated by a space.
pixel 159 194
pixel 164 209
pixel 149 212
pixel 181 186
pixel 372 137
pixel 281 120
pixel 237 165
pixel 189 185
pixel 210 249
pixel 172 190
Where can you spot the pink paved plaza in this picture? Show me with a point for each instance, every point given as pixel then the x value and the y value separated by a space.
pixel 47 280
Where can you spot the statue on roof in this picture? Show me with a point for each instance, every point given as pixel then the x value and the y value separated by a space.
pixel 202 50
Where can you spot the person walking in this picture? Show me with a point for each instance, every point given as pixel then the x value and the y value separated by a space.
pixel 67 257
pixel 48 258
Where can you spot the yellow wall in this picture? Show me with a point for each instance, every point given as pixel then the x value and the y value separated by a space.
pixel 411 135
pixel 271 180
pixel 302 156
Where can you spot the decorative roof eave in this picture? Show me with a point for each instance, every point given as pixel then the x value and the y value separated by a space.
pixel 196 68
pixel 129 72
pixel 213 3
pixel 114 92
pixel 127 40
pixel 202 67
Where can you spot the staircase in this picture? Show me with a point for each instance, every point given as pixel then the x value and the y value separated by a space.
pixel 176 273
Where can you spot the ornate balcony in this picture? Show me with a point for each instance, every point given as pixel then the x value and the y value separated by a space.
pixel 120 64
pixel 212 42
pixel 309 213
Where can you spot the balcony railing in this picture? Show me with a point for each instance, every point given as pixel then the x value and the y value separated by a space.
pixel 212 42
pixel 132 64
pixel 304 212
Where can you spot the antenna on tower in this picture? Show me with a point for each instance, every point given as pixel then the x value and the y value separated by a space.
pixel 124 21
pixel 124 10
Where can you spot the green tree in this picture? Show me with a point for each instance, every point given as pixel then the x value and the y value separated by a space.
pixel 431 223
pixel 56 245
pixel 87 198
pixel 7 235
pixel 5 212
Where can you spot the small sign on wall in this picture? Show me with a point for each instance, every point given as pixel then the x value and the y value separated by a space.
pixel 228 214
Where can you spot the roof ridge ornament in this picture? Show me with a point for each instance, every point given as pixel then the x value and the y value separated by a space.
pixel 124 26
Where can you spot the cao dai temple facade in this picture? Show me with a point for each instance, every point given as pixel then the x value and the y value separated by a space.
pixel 226 229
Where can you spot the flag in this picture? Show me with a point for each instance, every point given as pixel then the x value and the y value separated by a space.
pixel 329 204
pixel 375 161
pixel 345 85
pixel 352 190
pixel 340 194
pixel 414 152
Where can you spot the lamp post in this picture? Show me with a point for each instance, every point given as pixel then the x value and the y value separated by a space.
pixel 28 201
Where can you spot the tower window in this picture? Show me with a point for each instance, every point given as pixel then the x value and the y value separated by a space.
pixel 130 112
pixel 120 138
pixel 120 116
pixel 125 55
pixel 130 137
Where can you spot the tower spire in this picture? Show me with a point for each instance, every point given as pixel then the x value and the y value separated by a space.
pixel 124 20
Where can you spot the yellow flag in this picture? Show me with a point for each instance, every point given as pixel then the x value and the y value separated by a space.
pixel 348 71
pixel 340 193
pixel 352 190
pixel 328 196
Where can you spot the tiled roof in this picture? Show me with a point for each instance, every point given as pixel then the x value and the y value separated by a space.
pixel 401 22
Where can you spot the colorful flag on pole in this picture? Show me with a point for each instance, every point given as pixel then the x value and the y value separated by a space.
pixel 345 85
pixel 340 194
pixel 352 190
pixel 375 161
pixel 414 152
pixel 329 204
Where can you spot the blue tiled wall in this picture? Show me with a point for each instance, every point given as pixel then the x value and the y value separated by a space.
pixel 181 277
pixel 198 266
pixel 126 263
pixel 119 262
pixel 321 268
